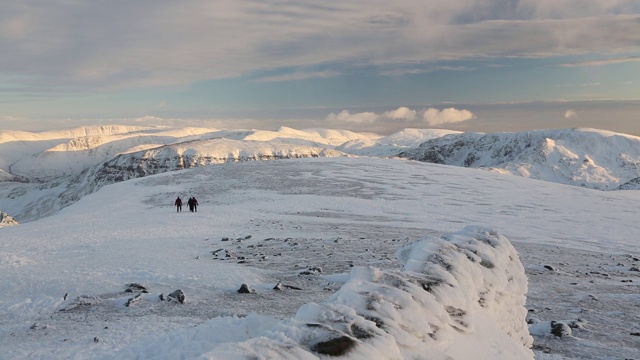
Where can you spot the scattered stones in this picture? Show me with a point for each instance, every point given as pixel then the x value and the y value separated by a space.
pixel 244 289
pixel 312 271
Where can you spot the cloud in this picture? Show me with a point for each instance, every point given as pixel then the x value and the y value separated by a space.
pixel 358 118
pixel 603 62
pixel 400 72
pixel 570 114
pixel 401 113
pixel 434 117
pixel 579 85
pixel 299 76
pixel 76 44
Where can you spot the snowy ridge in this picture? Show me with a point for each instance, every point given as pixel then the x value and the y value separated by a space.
pixel 633 184
pixel 62 169
pixel 464 288
pixel 199 153
pixel 590 158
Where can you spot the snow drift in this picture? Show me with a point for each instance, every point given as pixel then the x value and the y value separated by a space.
pixel 459 296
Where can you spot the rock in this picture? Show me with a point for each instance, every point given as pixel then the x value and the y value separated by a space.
pixel 133 287
pixel 177 295
pixel 634 269
pixel 278 287
pixel 312 271
pixel 96 339
pixel 549 267
pixel 334 347
pixel 292 287
pixel 134 300
pixel 560 329
pixel 244 289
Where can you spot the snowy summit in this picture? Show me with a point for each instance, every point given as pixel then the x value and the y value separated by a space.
pixel 318 243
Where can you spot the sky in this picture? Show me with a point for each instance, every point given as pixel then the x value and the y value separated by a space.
pixel 364 65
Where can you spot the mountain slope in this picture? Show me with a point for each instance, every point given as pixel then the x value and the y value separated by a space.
pixel 583 157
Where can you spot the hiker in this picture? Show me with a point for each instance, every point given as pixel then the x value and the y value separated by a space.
pixel 190 203
pixel 178 204
pixel 195 204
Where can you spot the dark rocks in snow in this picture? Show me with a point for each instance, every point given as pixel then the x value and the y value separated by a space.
pixel 135 287
pixel 96 339
pixel 635 334
pixel 560 329
pixel 312 271
pixel 335 347
pixel 82 302
pixel 634 269
pixel 279 287
pixel 177 295
pixel 134 300
pixel 576 324
pixel 549 267
pixel 244 289
pixel 37 326
pixel 224 239
pixel 292 287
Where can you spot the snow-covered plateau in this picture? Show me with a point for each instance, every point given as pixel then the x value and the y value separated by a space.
pixel 345 249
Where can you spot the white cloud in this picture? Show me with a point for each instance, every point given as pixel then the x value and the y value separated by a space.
pixel 434 117
pixel 140 43
pixel 401 113
pixel 570 114
pixel 358 118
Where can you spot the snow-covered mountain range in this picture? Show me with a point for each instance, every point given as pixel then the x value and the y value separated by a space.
pixel 41 173
pixel 583 157
pixel 312 238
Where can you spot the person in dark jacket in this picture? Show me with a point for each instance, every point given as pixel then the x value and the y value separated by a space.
pixel 195 204
pixel 178 204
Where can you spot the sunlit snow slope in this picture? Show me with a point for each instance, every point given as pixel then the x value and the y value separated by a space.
pixel 584 157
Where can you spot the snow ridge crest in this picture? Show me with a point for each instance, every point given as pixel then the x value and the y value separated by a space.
pixel 463 288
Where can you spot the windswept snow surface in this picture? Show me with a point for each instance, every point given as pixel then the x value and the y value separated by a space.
pixel 329 227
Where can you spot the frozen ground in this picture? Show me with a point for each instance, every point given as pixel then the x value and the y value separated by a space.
pixel 276 219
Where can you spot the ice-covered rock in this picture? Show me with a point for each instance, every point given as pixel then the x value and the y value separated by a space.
pixel 460 296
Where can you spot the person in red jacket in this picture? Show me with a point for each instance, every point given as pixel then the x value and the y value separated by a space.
pixel 178 204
